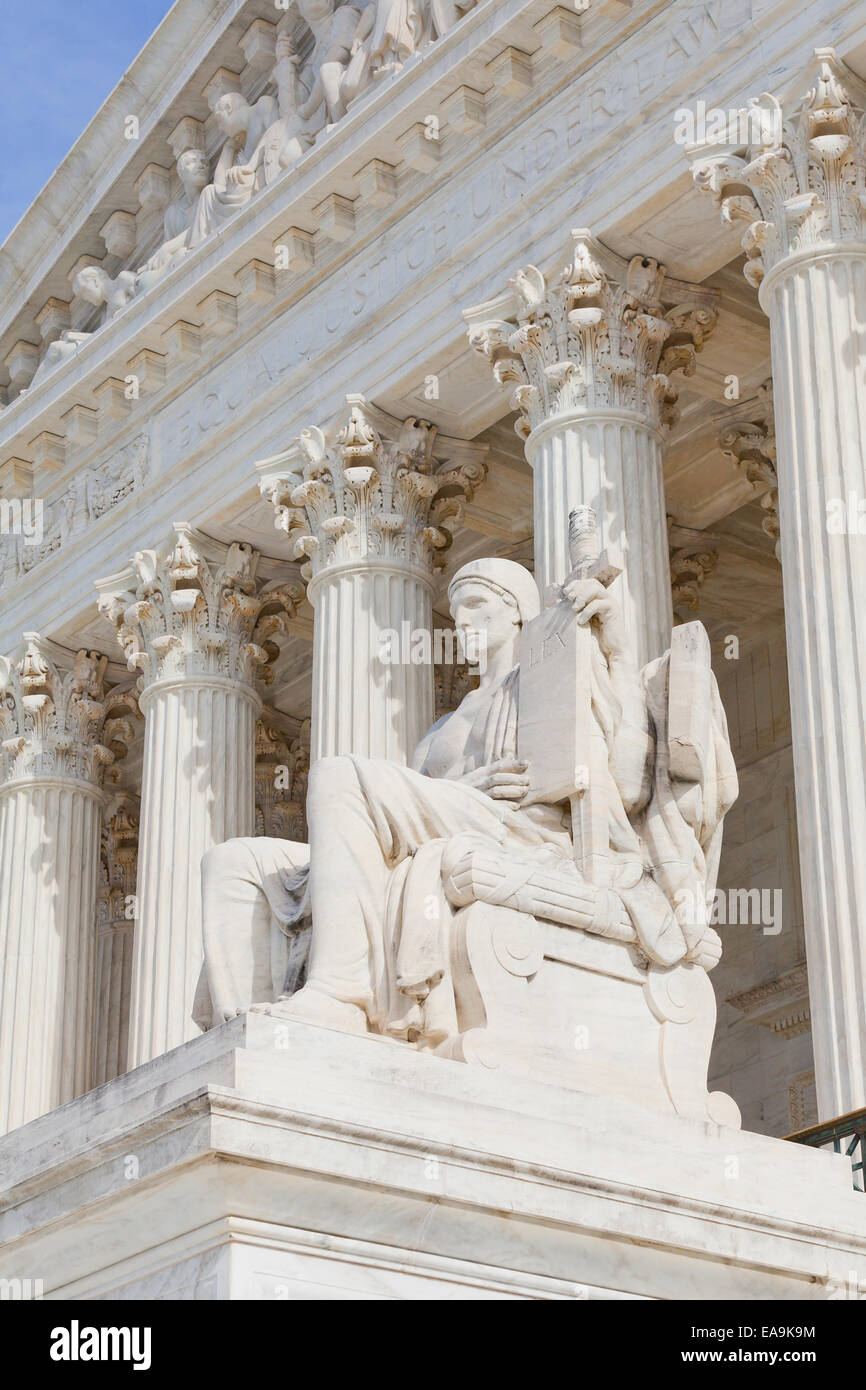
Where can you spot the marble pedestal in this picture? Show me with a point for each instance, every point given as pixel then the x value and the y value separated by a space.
pixel 272 1160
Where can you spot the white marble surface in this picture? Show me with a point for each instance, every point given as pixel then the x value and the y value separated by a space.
pixel 339 1166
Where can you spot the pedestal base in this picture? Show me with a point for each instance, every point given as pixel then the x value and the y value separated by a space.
pixel 277 1160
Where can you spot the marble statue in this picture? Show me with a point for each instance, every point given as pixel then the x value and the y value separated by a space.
pixel 95 286
pixel 193 169
pixel 289 138
pixel 446 13
pixel 333 28
pixel 63 349
pixel 389 32
pixel 239 171
pixel 561 828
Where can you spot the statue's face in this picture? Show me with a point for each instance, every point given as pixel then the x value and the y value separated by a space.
pixel 88 285
pixel 193 167
pixel 315 9
pixel 485 619
pixel 231 113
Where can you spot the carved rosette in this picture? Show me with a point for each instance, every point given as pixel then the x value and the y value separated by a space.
pixel 751 444
pixel 57 720
pixel 282 768
pixel 596 337
pixel 198 610
pixel 375 488
pixel 693 559
pixel 803 187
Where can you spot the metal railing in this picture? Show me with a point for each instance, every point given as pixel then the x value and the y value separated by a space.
pixel 847 1134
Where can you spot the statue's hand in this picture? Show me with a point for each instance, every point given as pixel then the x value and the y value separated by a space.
pixel 709 951
pixel 590 599
pixel 285 49
pixel 240 174
pixel 504 780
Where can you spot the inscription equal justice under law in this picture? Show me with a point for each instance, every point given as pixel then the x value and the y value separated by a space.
pixel 398 260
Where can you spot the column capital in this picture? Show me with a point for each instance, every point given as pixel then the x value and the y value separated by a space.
pixel 601 335
pixel 57 719
pixel 798 180
pixel 199 609
pixel 371 488
pixel 693 558
pixel 748 438
pixel 282 767
pixel 118 857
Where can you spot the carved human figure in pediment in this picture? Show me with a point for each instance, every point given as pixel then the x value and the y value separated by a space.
pixel 444 14
pixel 389 32
pixel 333 28
pixel 193 169
pixel 239 171
pixel 455 902
pixel 95 286
pixel 63 349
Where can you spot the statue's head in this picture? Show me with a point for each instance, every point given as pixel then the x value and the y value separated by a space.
pixel 490 601
pixel 232 113
pixel 194 169
pixel 315 9
pixel 91 284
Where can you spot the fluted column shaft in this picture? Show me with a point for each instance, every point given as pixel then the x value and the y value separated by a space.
pixel 799 190
pixel 49 857
pixel 369 502
pixel 364 703
pixel 114 956
pixel 613 462
pixel 590 353
pixel 817 311
pixel 59 729
pixel 198 619
pixel 197 790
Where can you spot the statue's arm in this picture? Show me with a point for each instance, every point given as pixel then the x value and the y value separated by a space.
pixel 630 748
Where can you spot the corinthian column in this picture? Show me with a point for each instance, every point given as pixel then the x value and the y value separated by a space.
pixel 60 729
pixel 198 622
pixel 369 503
pixel 801 193
pixel 590 352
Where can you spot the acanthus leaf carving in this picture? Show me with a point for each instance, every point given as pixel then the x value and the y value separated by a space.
pixel 749 440
pixel 198 609
pixel 602 334
pixel 373 487
pixel 802 184
pixel 57 719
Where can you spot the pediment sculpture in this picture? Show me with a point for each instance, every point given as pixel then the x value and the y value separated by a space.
pixel 353 47
pixel 530 894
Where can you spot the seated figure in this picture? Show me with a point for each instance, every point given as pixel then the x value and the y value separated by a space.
pixel 389 32
pixel 63 349
pixel 193 170
pixel 95 286
pixel 448 909
pixel 333 27
pixel 239 171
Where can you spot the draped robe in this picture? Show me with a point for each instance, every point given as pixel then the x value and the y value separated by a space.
pixel 372 878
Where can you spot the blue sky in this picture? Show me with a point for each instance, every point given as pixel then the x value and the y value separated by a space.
pixel 68 55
